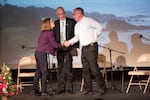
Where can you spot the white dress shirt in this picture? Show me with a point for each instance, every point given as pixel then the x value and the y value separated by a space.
pixel 87 31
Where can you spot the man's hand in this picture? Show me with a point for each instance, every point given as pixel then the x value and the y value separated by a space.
pixel 66 44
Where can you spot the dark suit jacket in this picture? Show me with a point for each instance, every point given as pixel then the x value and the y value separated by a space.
pixel 70 23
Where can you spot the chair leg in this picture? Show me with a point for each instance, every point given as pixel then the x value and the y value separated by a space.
pixel 129 84
pixel 140 86
pixel 18 83
pixel 104 73
pixel 82 83
pixel 146 84
pixel 105 77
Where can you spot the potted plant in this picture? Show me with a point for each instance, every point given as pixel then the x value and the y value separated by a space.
pixel 7 86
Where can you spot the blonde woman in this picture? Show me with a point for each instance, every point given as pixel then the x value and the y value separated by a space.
pixel 46 45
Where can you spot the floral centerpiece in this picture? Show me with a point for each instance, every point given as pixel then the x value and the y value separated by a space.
pixel 7 86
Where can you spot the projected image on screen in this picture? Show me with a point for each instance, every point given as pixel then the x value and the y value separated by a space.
pixel 126 27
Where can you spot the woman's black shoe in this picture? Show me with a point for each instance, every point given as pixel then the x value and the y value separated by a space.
pixel 36 92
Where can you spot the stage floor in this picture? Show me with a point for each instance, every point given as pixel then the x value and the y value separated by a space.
pixel 111 94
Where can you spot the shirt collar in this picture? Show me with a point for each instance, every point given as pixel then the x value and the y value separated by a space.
pixel 82 19
pixel 63 20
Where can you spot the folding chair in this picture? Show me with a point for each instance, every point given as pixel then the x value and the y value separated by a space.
pixel 120 64
pixel 143 60
pixel 102 63
pixel 25 65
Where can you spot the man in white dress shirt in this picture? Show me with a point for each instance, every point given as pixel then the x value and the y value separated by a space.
pixel 87 31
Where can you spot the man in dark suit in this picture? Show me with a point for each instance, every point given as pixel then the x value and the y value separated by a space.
pixel 64 30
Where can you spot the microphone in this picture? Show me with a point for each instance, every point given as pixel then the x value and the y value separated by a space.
pixel 22 46
pixel 26 47
pixel 141 36
pixel 145 38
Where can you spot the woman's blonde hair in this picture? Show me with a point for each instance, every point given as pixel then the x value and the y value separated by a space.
pixel 46 24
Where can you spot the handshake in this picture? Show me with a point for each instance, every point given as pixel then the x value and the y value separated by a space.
pixel 64 46
pixel 66 43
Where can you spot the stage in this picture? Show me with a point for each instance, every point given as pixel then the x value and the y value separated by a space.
pixel 134 94
pixel 124 37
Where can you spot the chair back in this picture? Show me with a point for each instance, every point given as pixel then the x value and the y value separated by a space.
pixel 144 58
pixel 101 58
pixel 27 62
pixel 143 61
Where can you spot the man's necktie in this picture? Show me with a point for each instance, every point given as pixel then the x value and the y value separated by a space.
pixel 62 33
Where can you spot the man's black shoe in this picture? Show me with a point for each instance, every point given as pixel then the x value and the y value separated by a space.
pixel 60 91
pixel 69 92
pixel 102 90
pixel 86 93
